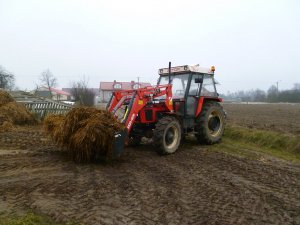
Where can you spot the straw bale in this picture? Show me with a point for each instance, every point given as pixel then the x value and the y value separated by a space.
pixel 87 133
pixel 73 119
pixel 93 140
pixel 53 125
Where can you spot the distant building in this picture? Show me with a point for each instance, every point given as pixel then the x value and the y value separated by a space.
pixel 94 90
pixel 57 95
pixel 106 88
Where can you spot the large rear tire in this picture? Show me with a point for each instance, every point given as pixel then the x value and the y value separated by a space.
pixel 210 124
pixel 167 135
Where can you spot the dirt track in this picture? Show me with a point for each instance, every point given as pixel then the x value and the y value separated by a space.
pixel 193 186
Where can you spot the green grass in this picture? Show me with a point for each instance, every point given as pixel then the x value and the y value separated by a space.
pixel 248 142
pixel 29 218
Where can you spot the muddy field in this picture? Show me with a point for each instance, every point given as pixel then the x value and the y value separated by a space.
pixel 194 186
pixel 277 117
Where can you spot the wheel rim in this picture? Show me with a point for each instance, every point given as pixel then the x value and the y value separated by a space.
pixel 215 123
pixel 171 137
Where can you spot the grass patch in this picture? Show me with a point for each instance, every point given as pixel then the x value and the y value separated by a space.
pixel 277 144
pixel 30 218
pixel 237 148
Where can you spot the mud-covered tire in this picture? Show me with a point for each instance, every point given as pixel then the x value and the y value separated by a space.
pixel 167 135
pixel 210 124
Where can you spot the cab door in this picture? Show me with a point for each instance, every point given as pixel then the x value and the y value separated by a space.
pixel 193 94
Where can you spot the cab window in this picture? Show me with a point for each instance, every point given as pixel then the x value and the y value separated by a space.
pixel 195 86
pixel 208 86
pixel 179 84
pixel 163 80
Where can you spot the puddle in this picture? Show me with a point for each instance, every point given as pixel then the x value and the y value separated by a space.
pixel 12 151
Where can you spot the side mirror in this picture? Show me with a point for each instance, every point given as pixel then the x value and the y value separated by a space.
pixel 198 80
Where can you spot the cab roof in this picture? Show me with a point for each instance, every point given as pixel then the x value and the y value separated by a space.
pixel 187 68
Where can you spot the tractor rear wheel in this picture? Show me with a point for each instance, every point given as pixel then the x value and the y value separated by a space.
pixel 167 135
pixel 210 124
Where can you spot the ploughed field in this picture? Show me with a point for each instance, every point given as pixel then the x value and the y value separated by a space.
pixel 276 117
pixel 196 185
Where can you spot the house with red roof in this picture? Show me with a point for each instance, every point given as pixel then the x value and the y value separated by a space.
pixel 106 88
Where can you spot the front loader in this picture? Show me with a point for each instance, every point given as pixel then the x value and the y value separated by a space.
pixel 184 101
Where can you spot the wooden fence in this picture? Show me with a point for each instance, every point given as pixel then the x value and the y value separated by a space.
pixel 41 106
pixel 47 107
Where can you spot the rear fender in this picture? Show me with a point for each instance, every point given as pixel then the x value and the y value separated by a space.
pixel 202 101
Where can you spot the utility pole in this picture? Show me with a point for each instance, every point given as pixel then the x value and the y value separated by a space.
pixel 277 82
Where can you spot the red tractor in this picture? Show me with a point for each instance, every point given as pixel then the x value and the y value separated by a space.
pixel 184 101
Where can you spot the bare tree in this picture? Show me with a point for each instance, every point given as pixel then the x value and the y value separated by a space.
pixel 48 80
pixel 7 79
pixel 82 94
pixel 296 86
pixel 272 94
pixel 259 95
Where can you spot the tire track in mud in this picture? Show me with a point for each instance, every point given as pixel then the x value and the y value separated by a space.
pixel 193 186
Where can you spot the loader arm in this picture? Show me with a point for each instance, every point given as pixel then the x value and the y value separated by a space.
pixel 135 100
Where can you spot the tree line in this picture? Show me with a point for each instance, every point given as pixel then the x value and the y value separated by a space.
pixel 79 89
pixel 85 96
pixel 271 95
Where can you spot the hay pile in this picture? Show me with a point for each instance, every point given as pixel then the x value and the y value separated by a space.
pixel 6 126
pixel 86 133
pixel 5 98
pixel 53 126
pixel 13 113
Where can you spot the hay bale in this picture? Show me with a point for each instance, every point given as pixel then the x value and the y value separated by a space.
pixel 73 119
pixel 53 126
pixel 5 98
pixel 94 139
pixel 86 133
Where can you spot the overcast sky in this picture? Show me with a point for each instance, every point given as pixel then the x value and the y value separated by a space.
pixel 252 43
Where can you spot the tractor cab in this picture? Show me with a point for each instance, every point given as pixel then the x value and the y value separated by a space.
pixel 189 83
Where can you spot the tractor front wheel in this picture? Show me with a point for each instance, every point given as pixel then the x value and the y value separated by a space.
pixel 210 124
pixel 167 135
